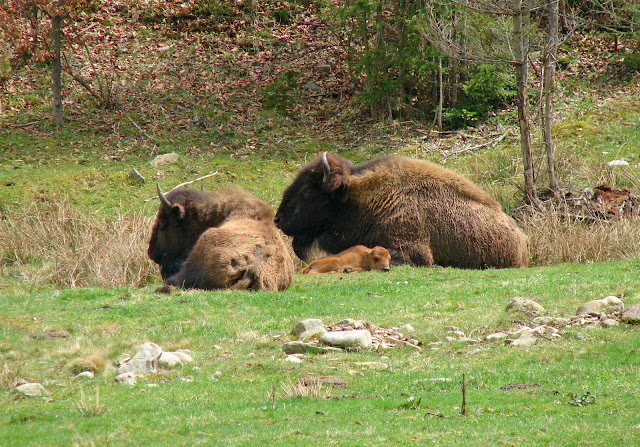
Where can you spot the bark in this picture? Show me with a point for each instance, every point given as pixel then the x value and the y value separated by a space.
pixel 520 17
pixel 56 70
pixel 548 80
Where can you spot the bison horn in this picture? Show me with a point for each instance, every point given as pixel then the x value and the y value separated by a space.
pixel 162 198
pixel 325 167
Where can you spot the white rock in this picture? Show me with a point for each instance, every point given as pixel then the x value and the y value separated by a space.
pixel 407 328
pixel 32 390
pixel 169 360
pixel 183 354
pixel 293 359
pixel 164 159
pixel 129 378
pixel 522 304
pixel 618 163
pixel 496 336
pixel 84 375
pixel 526 339
pixel 309 328
pixel 596 307
pixel 609 322
pixel 360 338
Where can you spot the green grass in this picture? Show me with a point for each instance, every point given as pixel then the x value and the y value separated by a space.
pixel 190 406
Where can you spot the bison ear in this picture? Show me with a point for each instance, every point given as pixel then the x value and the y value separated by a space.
pixel 335 175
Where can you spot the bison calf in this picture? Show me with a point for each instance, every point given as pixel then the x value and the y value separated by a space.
pixel 354 259
pixel 226 239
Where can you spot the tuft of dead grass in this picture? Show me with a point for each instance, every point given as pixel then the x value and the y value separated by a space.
pixel 299 389
pixel 554 238
pixel 54 243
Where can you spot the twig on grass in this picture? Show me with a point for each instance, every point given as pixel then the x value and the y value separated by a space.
pixel 183 184
pixel 463 409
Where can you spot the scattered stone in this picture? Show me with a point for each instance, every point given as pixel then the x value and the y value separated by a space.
pixel 311 86
pixel 610 304
pixel 322 68
pixel 169 360
pixel 299 347
pixel 543 321
pixel 128 378
pixel 360 338
pixel 183 354
pixel 632 314
pixel 350 324
pixel 32 390
pixel 618 163
pixel 144 361
pixel 519 386
pixel 56 333
pixel 551 332
pixel 309 328
pixel 496 336
pixel 293 359
pixel 526 338
pixel 407 328
pixel 527 305
pixel 164 159
pixel 216 375
pixel 609 322
pixel 334 381
pixel 84 375
pixel 135 175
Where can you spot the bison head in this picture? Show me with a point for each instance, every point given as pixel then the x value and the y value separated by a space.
pixel 313 199
pixel 379 259
pixel 176 229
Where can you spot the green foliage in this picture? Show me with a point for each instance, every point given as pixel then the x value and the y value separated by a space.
pixel 631 62
pixel 280 95
pixel 586 399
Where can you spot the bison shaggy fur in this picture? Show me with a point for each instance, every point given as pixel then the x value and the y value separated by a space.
pixel 225 239
pixel 424 214
pixel 355 259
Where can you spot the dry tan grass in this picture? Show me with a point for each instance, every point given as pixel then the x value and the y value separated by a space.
pixel 555 239
pixel 52 242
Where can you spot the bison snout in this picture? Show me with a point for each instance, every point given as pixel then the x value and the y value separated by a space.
pixel 386 269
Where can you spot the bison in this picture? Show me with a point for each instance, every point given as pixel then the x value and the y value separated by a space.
pixel 355 259
pixel 226 239
pixel 424 214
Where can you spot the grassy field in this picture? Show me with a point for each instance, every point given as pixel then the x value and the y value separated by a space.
pixel 74 229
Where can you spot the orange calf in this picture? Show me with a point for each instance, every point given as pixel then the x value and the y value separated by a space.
pixel 355 259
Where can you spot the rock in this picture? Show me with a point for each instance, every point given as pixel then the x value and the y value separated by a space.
pixel 32 390
pixel 311 327
pixel 299 347
pixel 216 375
pixel 526 339
pixel 184 355
pixel 84 375
pixel 632 314
pixel 135 175
pixel 311 86
pixel 350 323
pixel 596 307
pixel 129 378
pixel 322 68
pixel 360 338
pixel 618 163
pixel 144 361
pixel 527 305
pixel 551 332
pixel 293 359
pixel 496 336
pixel 543 321
pixel 164 159
pixel 169 360
pixel 609 322
pixel 407 328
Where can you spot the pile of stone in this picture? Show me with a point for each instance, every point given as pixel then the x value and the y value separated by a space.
pixel 313 337
pixel 149 357
pixel 607 312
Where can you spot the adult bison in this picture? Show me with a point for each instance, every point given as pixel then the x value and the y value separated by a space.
pixel 226 239
pixel 424 214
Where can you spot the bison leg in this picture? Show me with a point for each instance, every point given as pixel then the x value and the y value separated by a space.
pixel 418 255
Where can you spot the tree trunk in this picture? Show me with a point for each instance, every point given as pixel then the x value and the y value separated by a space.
pixel 440 95
pixel 520 14
pixel 547 81
pixel 56 70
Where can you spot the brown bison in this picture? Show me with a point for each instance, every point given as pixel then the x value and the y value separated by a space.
pixel 226 239
pixel 354 259
pixel 424 214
